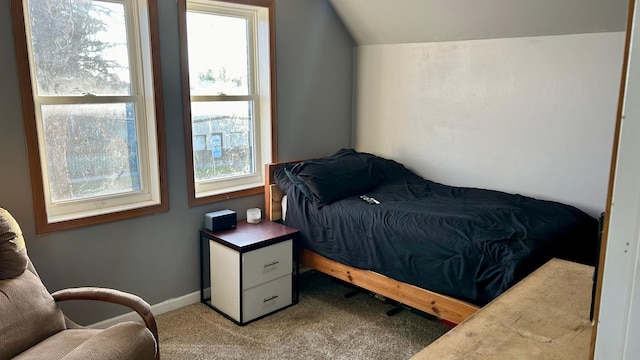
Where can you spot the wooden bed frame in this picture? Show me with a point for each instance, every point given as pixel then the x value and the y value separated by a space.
pixel 441 306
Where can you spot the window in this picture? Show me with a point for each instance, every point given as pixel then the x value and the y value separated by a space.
pixel 229 96
pixel 94 132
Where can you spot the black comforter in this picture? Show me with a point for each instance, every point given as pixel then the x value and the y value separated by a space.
pixel 469 243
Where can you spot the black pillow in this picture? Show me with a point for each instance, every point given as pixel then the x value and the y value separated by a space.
pixel 343 174
pixel 299 184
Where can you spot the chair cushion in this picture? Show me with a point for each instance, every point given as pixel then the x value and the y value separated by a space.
pixel 59 345
pixel 13 252
pixel 128 340
pixel 28 314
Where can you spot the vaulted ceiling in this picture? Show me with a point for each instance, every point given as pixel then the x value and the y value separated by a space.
pixel 408 21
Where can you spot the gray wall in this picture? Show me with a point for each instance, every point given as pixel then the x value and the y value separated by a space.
pixel 315 75
pixel 157 256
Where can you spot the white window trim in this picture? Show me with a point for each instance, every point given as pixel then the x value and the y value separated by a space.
pixel 143 96
pixel 260 89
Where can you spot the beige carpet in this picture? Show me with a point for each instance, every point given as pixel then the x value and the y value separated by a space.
pixel 323 325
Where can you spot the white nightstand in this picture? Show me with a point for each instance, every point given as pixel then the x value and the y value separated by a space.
pixel 250 271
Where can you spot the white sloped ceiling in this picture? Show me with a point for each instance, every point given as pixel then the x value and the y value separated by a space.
pixel 417 21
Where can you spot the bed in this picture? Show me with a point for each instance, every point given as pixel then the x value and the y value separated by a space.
pixel 440 249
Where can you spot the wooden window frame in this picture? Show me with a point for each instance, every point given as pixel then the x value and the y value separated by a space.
pixel 161 202
pixel 193 198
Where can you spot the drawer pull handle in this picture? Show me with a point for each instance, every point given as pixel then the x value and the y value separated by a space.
pixel 272 264
pixel 271 298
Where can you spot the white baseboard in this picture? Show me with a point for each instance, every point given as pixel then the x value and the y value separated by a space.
pixel 157 309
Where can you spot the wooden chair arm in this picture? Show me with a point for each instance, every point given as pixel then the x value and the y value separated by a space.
pixel 114 296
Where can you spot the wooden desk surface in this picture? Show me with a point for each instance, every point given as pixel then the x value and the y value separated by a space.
pixel 545 316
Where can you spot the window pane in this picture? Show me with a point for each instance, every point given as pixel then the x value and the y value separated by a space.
pixel 80 47
pixel 229 146
pixel 91 150
pixel 218 58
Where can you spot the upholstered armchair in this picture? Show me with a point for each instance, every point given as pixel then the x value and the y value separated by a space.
pixel 32 326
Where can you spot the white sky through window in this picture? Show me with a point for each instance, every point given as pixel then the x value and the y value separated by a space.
pixel 116 36
pixel 218 43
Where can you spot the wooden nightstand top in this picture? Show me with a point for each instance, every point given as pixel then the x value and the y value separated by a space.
pixel 247 236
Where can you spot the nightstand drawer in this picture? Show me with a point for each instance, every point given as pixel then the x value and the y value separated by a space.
pixel 267 298
pixel 267 263
pixel 250 271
